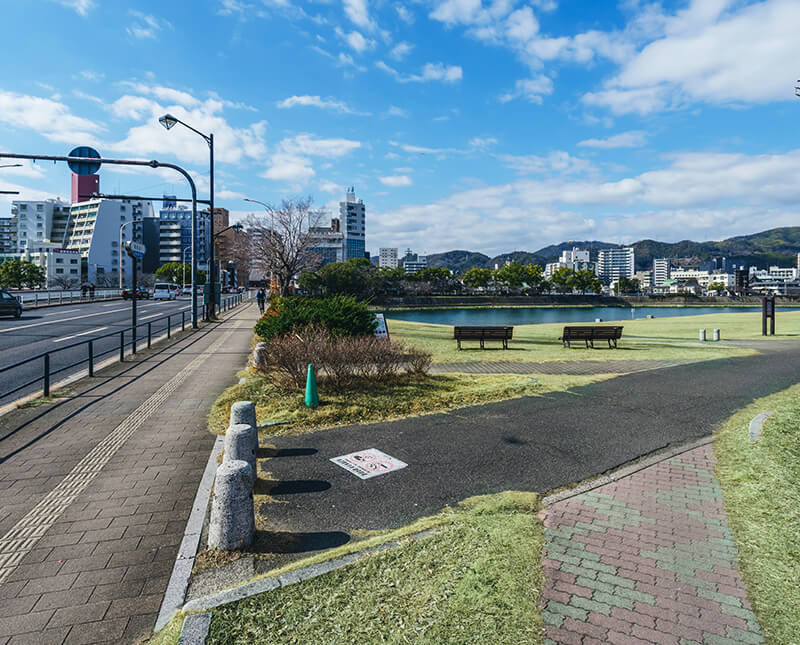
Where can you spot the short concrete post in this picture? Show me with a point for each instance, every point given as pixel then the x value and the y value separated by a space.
pixel 244 412
pixel 716 334
pixel 702 334
pixel 232 525
pixel 260 356
pixel 241 443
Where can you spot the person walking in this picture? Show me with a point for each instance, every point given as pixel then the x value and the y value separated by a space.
pixel 91 291
pixel 261 298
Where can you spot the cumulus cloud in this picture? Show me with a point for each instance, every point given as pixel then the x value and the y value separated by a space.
pixel 531 89
pixel 82 7
pixel 355 40
pixel 396 181
pixel 429 72
pixel 291 161
pixel 52 119
pixel 145 26
pixel 401 50
pixel 632 139
pixel 315 101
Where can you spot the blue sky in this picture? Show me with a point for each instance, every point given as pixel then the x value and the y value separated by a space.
pixel 488 126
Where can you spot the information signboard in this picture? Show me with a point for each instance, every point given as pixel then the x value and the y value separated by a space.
pixel 381 331
pixel 368 463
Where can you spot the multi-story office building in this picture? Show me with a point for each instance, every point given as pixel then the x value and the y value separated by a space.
pixel 661 271
pixel 352 215
pixel 574 258
pixel 412 263
pixel 328 242
pixel 8 235
pixel 613 264
pixel 168 237
pixel 387 258
pixel 62 266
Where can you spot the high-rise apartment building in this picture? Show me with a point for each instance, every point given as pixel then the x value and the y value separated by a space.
pixel 615 263
pixel 661 271
pixel 8 235
pixel 168 237
pixel 35 221
pixel 387 258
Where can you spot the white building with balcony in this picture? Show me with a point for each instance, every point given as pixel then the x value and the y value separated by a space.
pixel 613 264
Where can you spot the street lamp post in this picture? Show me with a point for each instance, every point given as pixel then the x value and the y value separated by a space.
pixel 168 121
pixel 183 266
pixel 122 226
pixel 271 232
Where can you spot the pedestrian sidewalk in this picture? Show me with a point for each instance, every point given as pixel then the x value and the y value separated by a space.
pixel 646 559
pixel 97 487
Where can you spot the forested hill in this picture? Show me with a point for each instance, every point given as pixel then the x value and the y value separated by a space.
pixel 775 246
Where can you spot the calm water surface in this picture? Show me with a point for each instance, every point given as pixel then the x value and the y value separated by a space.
pixel 533 315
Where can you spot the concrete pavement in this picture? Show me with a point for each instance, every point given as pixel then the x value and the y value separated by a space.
pixel 97 488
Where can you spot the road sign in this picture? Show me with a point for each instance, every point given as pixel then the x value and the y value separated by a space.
pixel 84 168
pixel 135 249
pixel 368 463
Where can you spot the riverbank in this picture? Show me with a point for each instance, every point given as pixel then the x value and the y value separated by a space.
pixel 567 301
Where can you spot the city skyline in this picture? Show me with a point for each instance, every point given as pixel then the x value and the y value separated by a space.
pixel 463 125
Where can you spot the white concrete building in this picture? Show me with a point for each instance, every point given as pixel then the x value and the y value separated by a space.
pixel 777 273
pixel 387 258
pixel 571 257
pixel 704 278
pixel 661 271
pixel 62 266
pixel 615 263
pixel 93 229
pixel 352 215
pixel 35 220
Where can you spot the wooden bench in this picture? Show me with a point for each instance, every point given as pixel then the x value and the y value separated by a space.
pixel 591 334
pixel 502 334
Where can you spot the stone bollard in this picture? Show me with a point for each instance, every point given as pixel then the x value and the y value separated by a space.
pixel 716 334
pixel 244 412
pixel 702 334
pixel 241 444
pixel 232 525
pixel 260 356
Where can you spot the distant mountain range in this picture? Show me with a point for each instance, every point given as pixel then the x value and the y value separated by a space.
pixel 777 246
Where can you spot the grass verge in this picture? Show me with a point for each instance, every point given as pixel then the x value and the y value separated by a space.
pixel 761 489
pixel 476 579
pixel 674 338
pixel 403 396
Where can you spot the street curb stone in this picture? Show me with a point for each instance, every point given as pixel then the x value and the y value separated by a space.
pixel 195 629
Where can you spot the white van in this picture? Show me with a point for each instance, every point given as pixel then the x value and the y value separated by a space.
pixel 164 291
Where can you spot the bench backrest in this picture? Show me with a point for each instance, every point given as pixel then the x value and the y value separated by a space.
pixel 487 333
pixel 592 333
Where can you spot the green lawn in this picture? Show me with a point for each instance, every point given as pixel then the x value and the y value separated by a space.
pixel 477 579
pixel 673 338
pixel 370 402
pixel 761 489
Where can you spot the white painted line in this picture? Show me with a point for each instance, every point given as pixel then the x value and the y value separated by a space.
pixel 150 316
pixel 58 313
pixel 113 304
pixel 83 333
pixel 52 322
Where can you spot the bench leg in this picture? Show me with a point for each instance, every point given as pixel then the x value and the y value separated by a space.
pixel 458 340
pixel 482 347
pixel 587 343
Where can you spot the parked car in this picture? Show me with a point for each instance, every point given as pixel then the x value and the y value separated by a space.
pixel 9 305
pixel 141 292
pixel 187 290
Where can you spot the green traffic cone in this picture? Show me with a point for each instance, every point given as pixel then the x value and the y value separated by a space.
pixel 312 398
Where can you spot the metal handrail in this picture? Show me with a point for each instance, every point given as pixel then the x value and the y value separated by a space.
pixel 132 342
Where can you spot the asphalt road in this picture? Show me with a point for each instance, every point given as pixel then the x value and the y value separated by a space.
pixel 531 444
pixel 49 329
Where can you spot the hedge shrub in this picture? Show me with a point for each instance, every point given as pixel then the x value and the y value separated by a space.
pixel 341 315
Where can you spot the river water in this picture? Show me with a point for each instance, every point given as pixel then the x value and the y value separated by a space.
pixel 537 315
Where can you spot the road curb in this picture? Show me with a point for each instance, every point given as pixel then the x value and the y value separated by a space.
pixel 629 469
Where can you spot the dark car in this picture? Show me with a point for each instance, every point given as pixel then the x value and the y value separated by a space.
pixel 9 305
pixel 141 292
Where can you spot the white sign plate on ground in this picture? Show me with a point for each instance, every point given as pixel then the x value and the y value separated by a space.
pixel 368 463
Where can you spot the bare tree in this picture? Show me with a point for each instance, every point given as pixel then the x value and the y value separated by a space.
pixel 234 246
pixel 63 282
pixel 281 242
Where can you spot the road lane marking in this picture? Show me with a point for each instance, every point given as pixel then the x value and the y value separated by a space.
pixel 24 535
pixel 83 333
pixel 58 313
pixel 52 322
pixel 150 316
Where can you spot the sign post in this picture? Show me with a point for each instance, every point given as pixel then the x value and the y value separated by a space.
pixel 768 312
pixel 136 252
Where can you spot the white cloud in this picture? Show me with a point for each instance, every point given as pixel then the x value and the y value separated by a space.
pixel 404 14
pixel 557 161
pixel 51 119
pixel 355 40
pixel 482 142
pixel 632 139
pixel 401 50
pixel 291 162
pixel 522 25
pixel 700 57
pixel 430 72
pixel 145 26
pixel 531 89
pixel 398 112
pixel 358 13
pixel 345 60
pixel 167 94
pixel 396 181
pixel 89 75
pixel 315 101
pixel 82 7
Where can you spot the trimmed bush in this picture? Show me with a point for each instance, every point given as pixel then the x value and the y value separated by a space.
pixel 341 315
pixel 340 360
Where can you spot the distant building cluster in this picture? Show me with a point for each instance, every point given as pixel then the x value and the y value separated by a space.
pixel 345 237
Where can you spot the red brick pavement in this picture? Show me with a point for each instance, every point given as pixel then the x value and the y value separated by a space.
pixel 646 559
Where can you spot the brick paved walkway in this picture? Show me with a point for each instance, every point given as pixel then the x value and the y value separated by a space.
pixel 97 487
pixel 553 367
pixel 646 559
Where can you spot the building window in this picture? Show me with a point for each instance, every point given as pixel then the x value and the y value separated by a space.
pixel 73 271
pixel 73 261
pixel 23 207
pixel 59 270
pixel 40 207
pixel 59 260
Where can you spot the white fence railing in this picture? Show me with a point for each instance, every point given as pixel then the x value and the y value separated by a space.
pixel 42 298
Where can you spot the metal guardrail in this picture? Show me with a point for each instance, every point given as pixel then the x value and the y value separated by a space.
pixel 42 298
pixel 128 338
